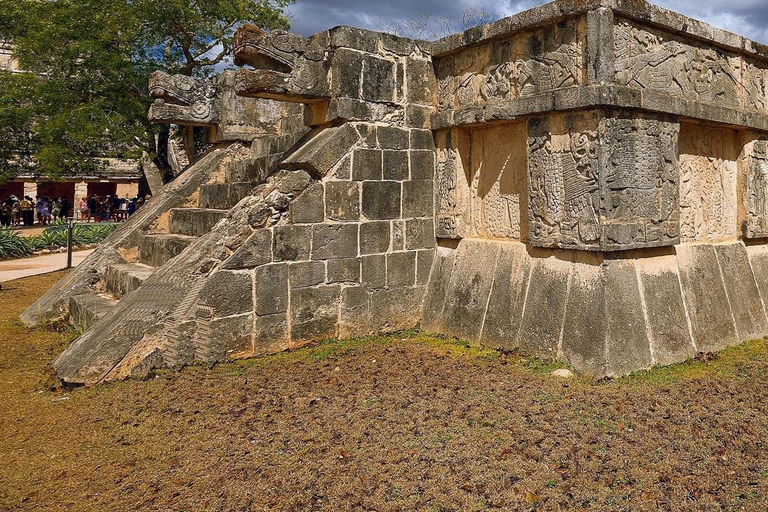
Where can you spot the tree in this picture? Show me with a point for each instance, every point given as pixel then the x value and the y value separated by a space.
pixel 84 95
pixel 430 27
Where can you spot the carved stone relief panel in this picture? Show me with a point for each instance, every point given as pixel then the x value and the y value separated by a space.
pixel 639 182
pixel 526 64
pixel 753 169
pixel 708 167
pixel 452 205
pixel 651 59
pixel 563 181
pixel 498 182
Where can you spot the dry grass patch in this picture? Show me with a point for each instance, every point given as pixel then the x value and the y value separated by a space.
pixel 402 422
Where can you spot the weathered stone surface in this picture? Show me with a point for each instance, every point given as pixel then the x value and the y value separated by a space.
pixel 584 327
pixel 323 151
pixel 419 234
pixel 418 198
pixel 374 270
pixel 422 165
pixel 401 269
pixel 354 319
pixel 333 241
pixel 343 271
pixel 271 289
pixel 667 320
pixel 227 293
pixel 227 338
pixel 87 309
pixel 469 289
pixel 122 279
pixel 315 313
pixel 309 206
pixel 194 221
pixel 628 347
pixel 381 199
pixel 367 164
pixel 291 243
pixel 507 297
pixel 395 309
pixel 157 250
pixel 758 260
pixel 395 165
pixel 753 171
pixel 255 251
pixel 424 261
pixel 374 237
pixel 544 312
pixel 306 273
pixel 705 297
pixel 342 200
pixel 742 291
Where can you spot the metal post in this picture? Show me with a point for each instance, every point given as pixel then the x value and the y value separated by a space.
pixel 69 243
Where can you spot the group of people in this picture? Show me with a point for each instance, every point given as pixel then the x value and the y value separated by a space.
pixel 22 212
pixel 110 209
pixel 43 210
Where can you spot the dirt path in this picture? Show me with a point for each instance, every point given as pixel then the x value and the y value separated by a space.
pixel 36 265
pixel 398 423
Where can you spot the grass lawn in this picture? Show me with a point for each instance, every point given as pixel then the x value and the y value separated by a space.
pixel 406 422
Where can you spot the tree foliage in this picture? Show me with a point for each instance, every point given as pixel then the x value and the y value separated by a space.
pixel 84 90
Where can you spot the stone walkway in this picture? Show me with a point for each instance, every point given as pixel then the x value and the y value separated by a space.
pixel 16 269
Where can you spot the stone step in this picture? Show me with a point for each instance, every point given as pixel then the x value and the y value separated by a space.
pixel 194 221
pixel 157 250
pixel 88 308
pixel 223 196
pixel 123 278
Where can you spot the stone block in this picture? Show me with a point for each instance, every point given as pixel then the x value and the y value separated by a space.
pixel 342 200
pixel 396 309
pixel 544 311
pixel 309 206
pixel 354 320
pixel 470 288
pixel 291 243
pixel 437 290
pixel 322 152
pixel 742 291
pixel 227 293
pixel 315 313
pixel 381 199
pixel 367 164
pixel 395 165
pixel 421 82
pixel 334 241
pixel 306 273
pixel 628 347
pixel 398 235
pixel 583 336
pixel 374 270
pixel 401 269
pixel 346 73
pixel 418 198
pixel 668 330
pixel 422 165
pixel 419 234
pixel 507 298
pixel 343 170
pixel 344 270
pixel 271 289
pixel 422 139
pixel 758 259
pixel 374 237
pixel 424 261
pixel 227 338
pixel 705 298
pixel 378 79
pixel 255 251
pixel 270 334
pixel 391 137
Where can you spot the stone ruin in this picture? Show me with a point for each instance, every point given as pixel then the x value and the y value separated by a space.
pixel 586 181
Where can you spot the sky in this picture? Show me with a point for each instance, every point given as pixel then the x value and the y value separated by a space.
pixel 745 17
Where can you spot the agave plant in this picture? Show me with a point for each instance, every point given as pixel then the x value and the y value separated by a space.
pixel 13 245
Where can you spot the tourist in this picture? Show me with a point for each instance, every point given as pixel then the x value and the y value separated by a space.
pixel 43 211
pixel 56 209
pixel 5 214
pixel 85 211
pixel 66 206
pixel 93 207
pixel 122 210
pixel 27 211
pixel 132 207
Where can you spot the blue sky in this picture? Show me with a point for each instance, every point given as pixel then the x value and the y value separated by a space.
pixel 745 17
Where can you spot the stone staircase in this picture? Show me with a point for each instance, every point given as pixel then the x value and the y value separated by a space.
pixel 155 250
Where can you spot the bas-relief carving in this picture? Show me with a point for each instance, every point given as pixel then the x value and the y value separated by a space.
pixel 563 181
pixel 527 64
pixel 754 172
pixel 651 59
pixel 639 182
pixel 708 167
pixel 481 180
